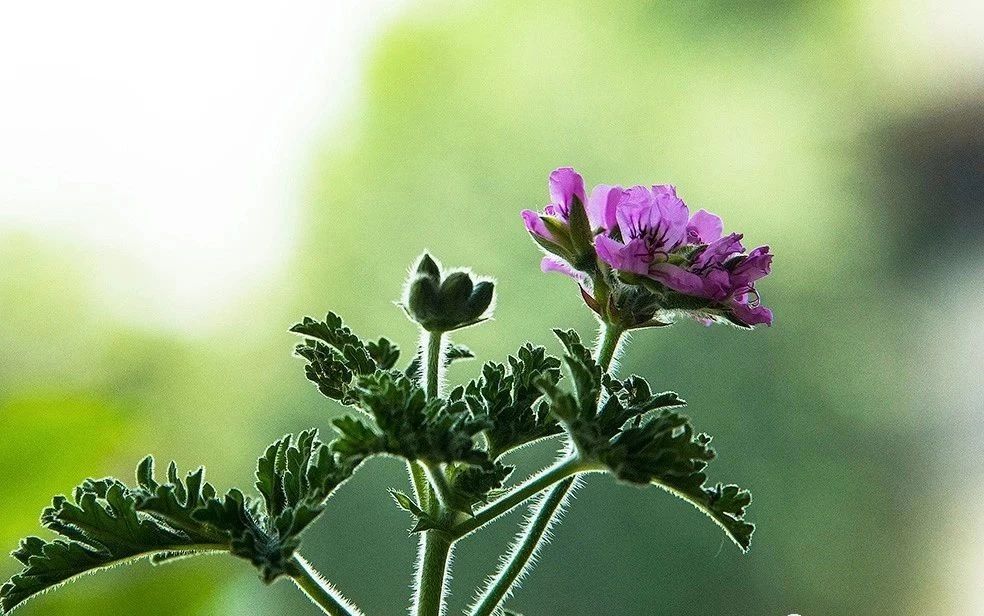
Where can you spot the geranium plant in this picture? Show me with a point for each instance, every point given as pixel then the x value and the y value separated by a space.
pixel 640 259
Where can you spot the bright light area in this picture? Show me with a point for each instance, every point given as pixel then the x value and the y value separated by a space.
pixel 170 140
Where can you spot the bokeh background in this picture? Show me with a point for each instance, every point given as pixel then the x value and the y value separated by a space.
pixel 179 183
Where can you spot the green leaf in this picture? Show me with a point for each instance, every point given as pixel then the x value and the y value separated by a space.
pixel 409 425
pixel 384 353
pixel 107 522
pixel 99 528
pixel 336 356
pixel 637 436
pixel 512 401
pixel 473 484
pixel 423 520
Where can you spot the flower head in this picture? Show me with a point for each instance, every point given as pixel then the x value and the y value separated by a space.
pixel 647 237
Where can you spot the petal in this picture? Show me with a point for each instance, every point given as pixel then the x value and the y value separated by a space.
pixel 673 215
pixel 678 279
pixel 756 265
pixel 602 205
pixel 635 212
pixel 620 256
pixel 719 250
pixel 717 284
pixel 552 264
pixel 564 184
pixel 751 315
pixel 704 228
pixel 535 225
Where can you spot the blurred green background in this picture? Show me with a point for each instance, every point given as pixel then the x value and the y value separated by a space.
pixel 847 135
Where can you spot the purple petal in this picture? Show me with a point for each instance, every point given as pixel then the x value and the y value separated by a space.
pixel 564 184
pixel 756 265
pixel 602 205
pixel 719 250
pixel 552 264
pixel 535 225
pixel 751 315
pixel 678 279
pixel 717 284
pixel 673 214
pixel 632 257
pixel 704 228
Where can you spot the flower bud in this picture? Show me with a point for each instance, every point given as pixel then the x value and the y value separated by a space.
pixel 444 303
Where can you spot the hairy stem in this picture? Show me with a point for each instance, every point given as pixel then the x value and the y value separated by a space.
pixel 432 569
pixel 319 590
pixel 607 345
pixel 434 361
pixel 529 540
pixel 543 516
pixel 531 487
pixel 429 585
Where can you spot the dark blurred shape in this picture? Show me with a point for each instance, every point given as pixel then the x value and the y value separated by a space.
pixel 932 183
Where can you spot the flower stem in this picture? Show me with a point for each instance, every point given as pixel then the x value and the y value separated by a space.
pixel 434 360
pixel 557 473
pixel 435 551
pixel 607 345
pixel 523 551
pixel 548 511
pixel 319 590
pixel 429 585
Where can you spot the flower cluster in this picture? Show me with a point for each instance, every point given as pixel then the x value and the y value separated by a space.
pixel 646 237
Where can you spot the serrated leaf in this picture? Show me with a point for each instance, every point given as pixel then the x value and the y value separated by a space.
pixel 409 425
pixel 635 435
pixel 107 522
pixel 511 400
pixel 335 356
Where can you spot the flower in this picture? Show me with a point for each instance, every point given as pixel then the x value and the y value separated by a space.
pixel 557 228
pixel 648 237
pixel 689 255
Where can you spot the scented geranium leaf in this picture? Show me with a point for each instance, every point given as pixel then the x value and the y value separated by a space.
pixel 335 356
pixel 637 436
pixel 511 400
pixel 422 520
pixel 409 425
pixel 454 352
pixel 663 450
pixel 474 484
pixel 108 523
pixel 384 353
pixel 100 527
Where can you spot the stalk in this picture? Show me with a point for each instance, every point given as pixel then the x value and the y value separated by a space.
pixel 435 552
pixel 435 544
pixel 319 590
pixel 528 544
pixel 533 531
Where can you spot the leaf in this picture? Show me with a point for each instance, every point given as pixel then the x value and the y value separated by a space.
pixel 384 353
pixel 408 425
pixel 336 356
pixel 512 401
pixel 637 436
pixel 107 522
pixel 99 528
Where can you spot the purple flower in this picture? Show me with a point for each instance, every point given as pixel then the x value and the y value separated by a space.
pixel 649 237
pixel 658 239
pixel 565 184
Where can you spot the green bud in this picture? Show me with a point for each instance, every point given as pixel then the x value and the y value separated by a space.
pixel 456 289
pixel 441 303
pixel 428 267
pixel 481 299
